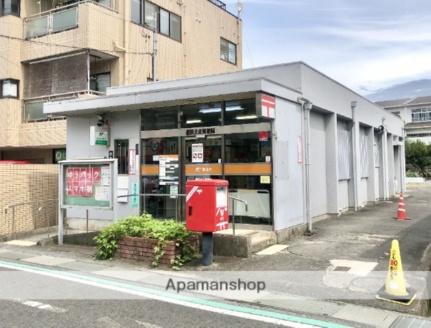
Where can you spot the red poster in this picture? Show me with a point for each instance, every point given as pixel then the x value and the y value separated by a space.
pixel 75 174
pixel 89 174
pixel 75 189
pixel 96 174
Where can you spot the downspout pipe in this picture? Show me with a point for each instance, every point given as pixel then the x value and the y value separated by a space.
pixel 354 106
pixel 306 108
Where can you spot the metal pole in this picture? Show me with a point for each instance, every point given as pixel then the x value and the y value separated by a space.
pixel 154 55
pixel 233 216
pixel 13 222
pixel 60 226
pixel 86 216
pixel 207 248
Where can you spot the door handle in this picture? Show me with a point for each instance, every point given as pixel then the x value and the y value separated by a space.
pixel 190 210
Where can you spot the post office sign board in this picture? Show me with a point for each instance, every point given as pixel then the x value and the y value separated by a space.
pixel 87 184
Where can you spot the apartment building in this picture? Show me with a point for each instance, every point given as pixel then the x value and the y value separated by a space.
pixel 63 49
pixel 416 113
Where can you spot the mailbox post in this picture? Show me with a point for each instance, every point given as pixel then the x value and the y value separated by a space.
pixel 207 212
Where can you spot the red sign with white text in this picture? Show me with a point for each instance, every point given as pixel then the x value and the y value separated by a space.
pixel 80 181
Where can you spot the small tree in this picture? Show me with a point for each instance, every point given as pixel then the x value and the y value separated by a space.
pixel 418 155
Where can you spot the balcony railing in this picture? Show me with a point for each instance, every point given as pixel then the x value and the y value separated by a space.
pixel 424 116
pixel 54 21
pixel 219 3
pixel 59 19
pixel 33 108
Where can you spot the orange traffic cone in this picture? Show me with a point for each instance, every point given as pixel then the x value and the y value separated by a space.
pixel 402 213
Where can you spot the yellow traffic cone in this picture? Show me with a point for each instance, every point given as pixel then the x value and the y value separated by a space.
pixel 395 289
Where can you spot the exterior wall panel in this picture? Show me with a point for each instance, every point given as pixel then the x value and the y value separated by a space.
pixel 318 183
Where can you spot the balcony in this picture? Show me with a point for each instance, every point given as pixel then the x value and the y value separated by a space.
pixel 74 75
pixel 59 19
pixel 219 3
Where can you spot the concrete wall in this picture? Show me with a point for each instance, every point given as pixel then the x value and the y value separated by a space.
pixel 123 126
pixel 34 186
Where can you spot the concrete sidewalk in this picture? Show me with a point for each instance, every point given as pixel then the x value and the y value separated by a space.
pixel 355 245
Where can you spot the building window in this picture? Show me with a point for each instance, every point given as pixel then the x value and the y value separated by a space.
pixel 240 111
pixel 156 18
pixel 100 82
pixel 421 115
pixel 9 88
pixel 9 7
pixel 136 11
pixel 228 51
pixel 201 115
pixel 121 152
pixel 248 148
pixel 160 119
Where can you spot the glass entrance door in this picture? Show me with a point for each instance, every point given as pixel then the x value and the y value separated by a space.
pixel 161 177
pixel 203 157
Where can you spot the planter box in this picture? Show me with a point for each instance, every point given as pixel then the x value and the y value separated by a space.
pixel 142 249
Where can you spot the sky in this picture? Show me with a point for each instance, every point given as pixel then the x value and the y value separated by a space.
pixel 364 44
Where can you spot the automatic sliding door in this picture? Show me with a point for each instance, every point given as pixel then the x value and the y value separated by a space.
pixel 160 177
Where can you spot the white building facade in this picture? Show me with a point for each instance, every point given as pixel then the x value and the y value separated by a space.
pixel 416 113
pixel 292 142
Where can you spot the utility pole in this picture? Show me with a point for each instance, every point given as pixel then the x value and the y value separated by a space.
pixel 155 48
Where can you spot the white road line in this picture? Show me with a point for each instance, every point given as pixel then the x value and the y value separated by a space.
pixel 107 322
pixel 146 324
pixel 42 306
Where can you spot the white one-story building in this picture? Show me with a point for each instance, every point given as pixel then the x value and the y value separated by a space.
pixel 292 142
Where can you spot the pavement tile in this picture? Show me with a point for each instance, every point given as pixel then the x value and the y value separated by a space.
pixel 271 250
pixel 121 273
pixel 5 254
pixel 48 260
pixel 82 266
pixel 367 315
pixel 305 305
pixel 22 243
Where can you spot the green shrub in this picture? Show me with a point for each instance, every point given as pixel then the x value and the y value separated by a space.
pixel 146 226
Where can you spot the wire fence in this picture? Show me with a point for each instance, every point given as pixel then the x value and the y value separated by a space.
pixel 28 217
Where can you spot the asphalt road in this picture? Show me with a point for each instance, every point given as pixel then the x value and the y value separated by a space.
pixel 58 299
pixel 106 311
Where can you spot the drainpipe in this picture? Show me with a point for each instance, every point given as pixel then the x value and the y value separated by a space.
pixel 354 106
pixel 306 108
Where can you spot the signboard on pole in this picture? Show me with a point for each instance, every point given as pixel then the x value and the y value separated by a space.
pixel 87 184
pixel 198 153
pixel 99 136
pixel 266 105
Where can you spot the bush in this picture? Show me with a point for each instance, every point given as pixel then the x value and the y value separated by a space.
pixel 146 226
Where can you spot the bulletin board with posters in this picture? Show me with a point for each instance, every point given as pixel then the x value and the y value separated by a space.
pixel 87 184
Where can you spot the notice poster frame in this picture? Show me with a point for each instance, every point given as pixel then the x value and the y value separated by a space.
pixel 87 184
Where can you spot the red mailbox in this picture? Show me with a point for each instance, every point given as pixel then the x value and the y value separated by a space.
pixel 207 209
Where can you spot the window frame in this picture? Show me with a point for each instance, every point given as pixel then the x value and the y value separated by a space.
pixel 17 89
pixel 158 25
pixel 99 74
pixel 122 170
pixel 228 43
pixel 17 14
